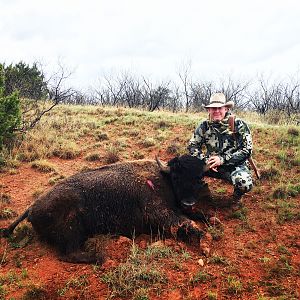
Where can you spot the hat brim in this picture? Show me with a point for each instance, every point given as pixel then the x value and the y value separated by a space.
pixel 229 104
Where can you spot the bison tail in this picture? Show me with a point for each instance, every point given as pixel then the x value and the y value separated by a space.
pixel 6 232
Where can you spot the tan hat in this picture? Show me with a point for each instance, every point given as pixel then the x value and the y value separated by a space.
pixel 219 100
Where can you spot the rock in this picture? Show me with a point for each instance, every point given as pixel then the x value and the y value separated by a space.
pixel 201 262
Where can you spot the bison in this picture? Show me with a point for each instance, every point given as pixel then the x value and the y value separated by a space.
pixel 124 198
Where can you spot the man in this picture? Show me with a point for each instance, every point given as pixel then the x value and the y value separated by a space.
pixel 226 152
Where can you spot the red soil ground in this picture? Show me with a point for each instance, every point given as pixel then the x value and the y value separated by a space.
pixel 248 246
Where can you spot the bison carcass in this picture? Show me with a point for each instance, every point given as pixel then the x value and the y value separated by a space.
pixel 126 198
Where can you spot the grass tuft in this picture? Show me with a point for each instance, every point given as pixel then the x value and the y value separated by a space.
pixel 112 155
pixel 43 166
pixel 93 157
pixel 35 292
pixel 141 270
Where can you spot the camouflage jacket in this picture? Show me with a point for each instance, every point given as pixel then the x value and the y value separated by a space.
pixel 216 138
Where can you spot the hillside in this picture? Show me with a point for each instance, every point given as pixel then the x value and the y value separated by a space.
pixel 255 255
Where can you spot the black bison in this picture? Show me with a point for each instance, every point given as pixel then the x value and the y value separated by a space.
pixel 134 197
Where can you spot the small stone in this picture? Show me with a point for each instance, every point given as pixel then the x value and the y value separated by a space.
pixel 201 262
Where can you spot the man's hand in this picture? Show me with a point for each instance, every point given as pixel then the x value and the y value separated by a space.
pixel 214 162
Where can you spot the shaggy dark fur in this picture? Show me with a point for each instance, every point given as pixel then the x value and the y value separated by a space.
pixel 123 198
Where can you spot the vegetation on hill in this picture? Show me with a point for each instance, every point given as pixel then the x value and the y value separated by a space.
pixel 254 256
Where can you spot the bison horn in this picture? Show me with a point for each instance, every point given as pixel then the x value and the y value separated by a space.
pixel 163 167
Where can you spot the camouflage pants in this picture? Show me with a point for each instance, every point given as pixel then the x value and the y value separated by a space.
pixel 239 176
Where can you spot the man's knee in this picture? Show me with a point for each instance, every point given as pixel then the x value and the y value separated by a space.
pixel 242 181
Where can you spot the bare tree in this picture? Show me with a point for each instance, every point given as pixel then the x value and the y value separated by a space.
pixel 235 91
pixel 34 109
pixel 186 80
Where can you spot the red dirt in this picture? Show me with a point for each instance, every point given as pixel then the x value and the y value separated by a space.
pixel 244 245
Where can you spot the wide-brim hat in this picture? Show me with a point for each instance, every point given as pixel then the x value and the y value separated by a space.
pixel 219 100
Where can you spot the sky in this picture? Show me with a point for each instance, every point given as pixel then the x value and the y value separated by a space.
pixel 157 39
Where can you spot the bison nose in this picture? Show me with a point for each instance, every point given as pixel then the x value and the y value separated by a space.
pixel 188 201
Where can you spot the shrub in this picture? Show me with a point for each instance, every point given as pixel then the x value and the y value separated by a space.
pixel 112 155
pixel 93 157
pixel 43 166
pixel 10 113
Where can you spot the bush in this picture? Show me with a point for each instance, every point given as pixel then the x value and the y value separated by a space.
pixel 10 114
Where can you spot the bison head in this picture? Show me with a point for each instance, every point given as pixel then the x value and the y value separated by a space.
pixel 186 173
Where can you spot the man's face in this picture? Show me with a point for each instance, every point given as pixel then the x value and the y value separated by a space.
pixel 217 113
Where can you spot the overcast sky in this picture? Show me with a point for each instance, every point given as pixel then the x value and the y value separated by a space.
pixel 153 38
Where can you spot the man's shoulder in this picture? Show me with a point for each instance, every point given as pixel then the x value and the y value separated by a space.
pixel 237 119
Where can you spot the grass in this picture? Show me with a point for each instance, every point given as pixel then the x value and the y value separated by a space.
pixel 201 277
pixel 34 292
pixel 234 285
pixel 5 198
pixel 216 232
pixel 93 156
pixel 78 284
pixel 107 135
pixel 7 213
pixel 212 295
pixel 43 166
pixel 112 155
pixel 219 260
pixel 140 271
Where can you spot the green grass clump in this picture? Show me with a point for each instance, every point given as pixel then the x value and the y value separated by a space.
pixel 240 214
pixel 7 213
pixel 201 277
pixel 234 285
pixel 112 155
pixel 148 142
pixel 212 295
pixel 5 198
pixel 66 150
pixel 35 292
pixel 101 136
pixel 283 191
pixel 78 284
pixel 43 166
pixel 216 232
pixel 93 157
pixel 270 172
pixel 219 260
pixel 53 180
pixel 280 268
pixel 141 270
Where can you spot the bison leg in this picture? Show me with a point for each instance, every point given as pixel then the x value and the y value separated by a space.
pixel 189 231
pixel 70 240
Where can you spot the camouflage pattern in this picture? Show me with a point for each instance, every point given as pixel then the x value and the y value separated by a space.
pixel 216 138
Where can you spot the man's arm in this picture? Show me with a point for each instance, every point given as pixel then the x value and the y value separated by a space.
pixel 243 145
pixel 196 142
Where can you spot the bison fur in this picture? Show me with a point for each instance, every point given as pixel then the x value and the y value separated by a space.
pixel 124 198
